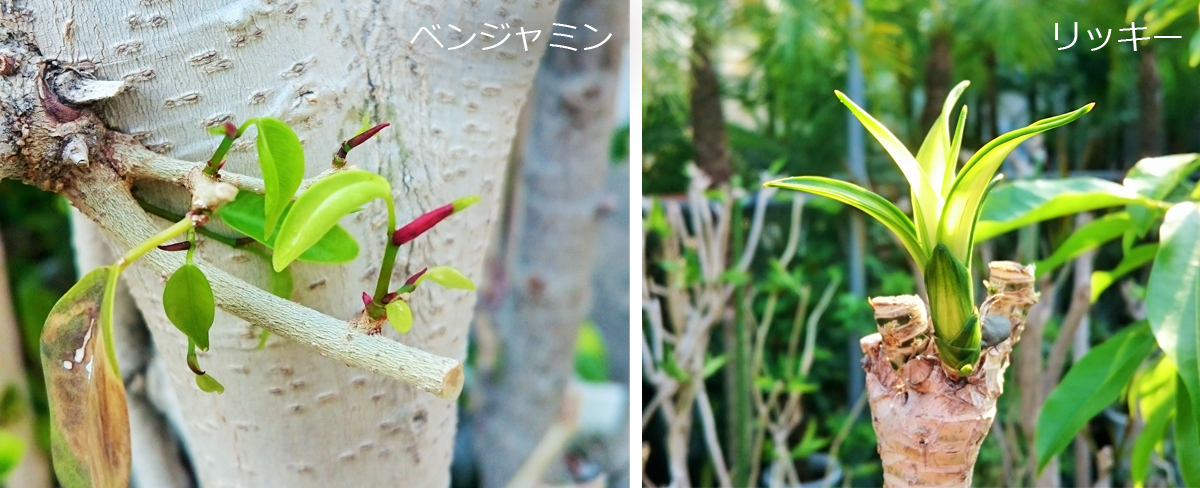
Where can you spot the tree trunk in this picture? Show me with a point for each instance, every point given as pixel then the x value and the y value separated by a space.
pixel 1150 114
pixel 290 417
pixel 938 72
pixel 34 469
pixel 930 426
pixel 707 118
pixel 548 281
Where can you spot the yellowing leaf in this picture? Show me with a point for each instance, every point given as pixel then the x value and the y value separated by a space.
pixel 319 208
pixel 281 159
pixel 89 423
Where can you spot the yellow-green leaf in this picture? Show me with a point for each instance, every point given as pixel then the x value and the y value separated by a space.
pixel 935 153
pixel 319 208
pixel 927 203
pixel 956 226
pixel 1171 294
pixel 245 214
pixel 858 197
pixel 281 159
pixel 188 300
pixel 1153 393
pixel 399 315
pixel 448 277
pixel 208 384
pixel 1090 386
pixel 12 449
pixel 89 423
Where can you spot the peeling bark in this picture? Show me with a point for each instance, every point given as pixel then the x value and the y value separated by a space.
pixel 930 426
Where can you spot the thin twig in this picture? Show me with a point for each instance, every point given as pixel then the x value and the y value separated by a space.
pixel 710 435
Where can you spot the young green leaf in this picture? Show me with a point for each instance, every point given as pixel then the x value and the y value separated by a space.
pixel 89 424
pixel 961 210
pixel 321 206
pixel 1171 295
pixel 204 382
pixel 1134 258
pixel 399 315
pixel 1020 203
pixel 281 159
pixel 927 203
pixel 448 277
pixel 245 214
pixel 188 300
pixel 1090 386
pixel 935 153
pixel 1090 236
pixel 591 356
pixel 955 148
pixel 950 300
pixel 858 197
pixel 208 384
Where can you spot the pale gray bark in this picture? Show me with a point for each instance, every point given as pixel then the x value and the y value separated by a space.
pixel 548 279
pixel 290 417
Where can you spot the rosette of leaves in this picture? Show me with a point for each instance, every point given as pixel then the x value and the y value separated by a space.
pixel 946 203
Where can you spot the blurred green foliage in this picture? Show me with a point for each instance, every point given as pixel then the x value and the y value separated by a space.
pixel 778 64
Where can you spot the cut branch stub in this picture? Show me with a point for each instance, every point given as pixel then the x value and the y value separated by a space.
pixel 929 425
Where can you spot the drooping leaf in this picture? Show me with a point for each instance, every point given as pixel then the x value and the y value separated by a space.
pixel 89 423
pixel 12 449
pixel 281 159
pixel 204 381
pixel 245 214
pixel 858 197
pixel 1088 237
pixel 934 154
pixel 960 211
pixel 1135 258
pixel 208 384
pixel 1090 386
pixel 188 300
pixel 1187 436
pixel 319 208
pixel 1171 295
pixel 1020 203
pixel 926 202
pixel 448 277
pixel 1153 393
pixel 399 315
